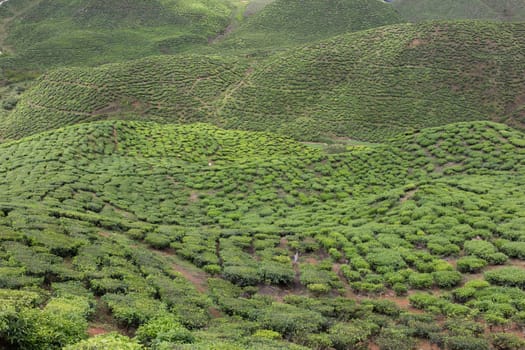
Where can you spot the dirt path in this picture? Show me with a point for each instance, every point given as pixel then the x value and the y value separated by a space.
pixel 197 277
pixel 199 280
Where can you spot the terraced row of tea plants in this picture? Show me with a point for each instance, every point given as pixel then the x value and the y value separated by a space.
pixel 194 235
pixel 369 85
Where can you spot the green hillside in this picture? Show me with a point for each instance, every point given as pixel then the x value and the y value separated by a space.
pixel 124 226
pixel 290 22
pixel 48 33
pixel 420 10
pixel 366 85
pixel 262 175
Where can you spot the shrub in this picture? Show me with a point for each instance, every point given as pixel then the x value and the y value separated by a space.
pixel 479 248
pixel 267 334
pixel 497 259
pixel 319 288
pixel 400 289
pixel 463 294
pixel 290 320
pixel 113 341
pixel 276 273
pixel 505 341
pixel 163 329
pixel 466 343
pixel 386 257
pixel 420 280
pixel 506 276
pixel 318 341
pixel 212 269
pixel 470 264
pixel 133 309
pixel 446 279
pixel 351 335
pixel 394 339
pixel 349 274
pixel 242 275
pixel 157 240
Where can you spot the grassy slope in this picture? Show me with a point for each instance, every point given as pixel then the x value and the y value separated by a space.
pixel 54 33
pixel 367 85
pixel 419 10
pixel 285 23
pixel 246 202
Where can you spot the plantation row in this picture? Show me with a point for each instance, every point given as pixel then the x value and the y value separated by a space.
pixel 369 85
pixel 337 237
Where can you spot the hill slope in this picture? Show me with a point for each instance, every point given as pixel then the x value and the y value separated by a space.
pixel 367 85
pixel 51 33
pixel 420 10
pixel 95 219
pixel 290 22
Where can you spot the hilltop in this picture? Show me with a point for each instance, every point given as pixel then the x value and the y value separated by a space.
pixel 420 10
pixel 98 218
pixel 366 85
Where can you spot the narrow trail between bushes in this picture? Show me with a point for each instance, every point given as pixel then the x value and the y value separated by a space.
pixel 198 278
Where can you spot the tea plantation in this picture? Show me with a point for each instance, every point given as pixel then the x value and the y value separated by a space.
pixel 258 175
pixel 285 23
pixel 368 85
pixel 194 235
pixel 47 33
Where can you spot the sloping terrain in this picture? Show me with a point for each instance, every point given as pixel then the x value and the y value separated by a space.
pixel 420 10
pixel 290 22
pixel 96 217
pixel 50 33
pixel 367 85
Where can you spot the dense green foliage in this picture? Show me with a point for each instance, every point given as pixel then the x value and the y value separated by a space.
pixel 167 203
pixel 52 33
pixel 290 22
pixel 366 85
pixel 78 201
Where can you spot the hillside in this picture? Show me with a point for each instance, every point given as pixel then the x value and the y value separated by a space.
pixel 290 22
pixel 366 85
pixel 49 33
pixel 115 225
pixel 421 10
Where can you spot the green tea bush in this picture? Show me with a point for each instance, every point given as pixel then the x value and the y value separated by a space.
pixel 505 341
pixel 391 338
pixel 351 335
pixel 107 341
pixel 506 276
pixel 466 343
pixel 290 320
pixel 470 264
pixel 133 309
pixel 163 329
pixel 446 279
pixel 420 280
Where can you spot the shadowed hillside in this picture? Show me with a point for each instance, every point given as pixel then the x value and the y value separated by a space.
pixel 367 85
pixel 419 10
